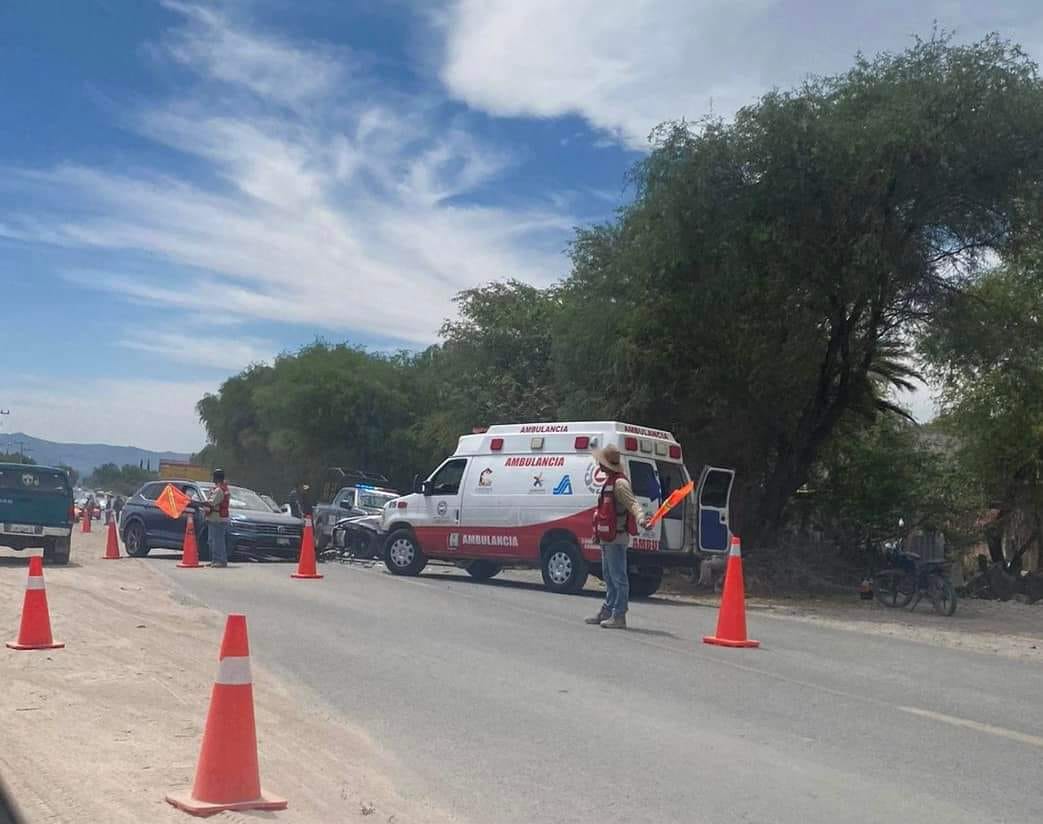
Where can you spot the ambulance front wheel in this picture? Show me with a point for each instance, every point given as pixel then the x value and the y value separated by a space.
pixel 564 569
pixel 402 554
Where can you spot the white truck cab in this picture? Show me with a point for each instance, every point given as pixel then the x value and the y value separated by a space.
pixel 524 495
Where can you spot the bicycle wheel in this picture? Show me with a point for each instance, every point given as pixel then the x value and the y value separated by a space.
pixel 894 588
pixel 943 595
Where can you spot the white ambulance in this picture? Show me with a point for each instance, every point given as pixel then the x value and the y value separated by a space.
pixel 522 495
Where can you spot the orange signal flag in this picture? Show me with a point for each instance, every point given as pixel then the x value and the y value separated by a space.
pixel 672 500
pixel 172 501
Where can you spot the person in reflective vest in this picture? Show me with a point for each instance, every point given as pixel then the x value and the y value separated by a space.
pixel 217 520
pixel 616 518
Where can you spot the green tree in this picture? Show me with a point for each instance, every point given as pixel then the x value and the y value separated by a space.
pixel 15 457
pixel 123 480
pixel 496 356
pixel 764 284
pixel 985 348
pixel 879 483
pixel 326 405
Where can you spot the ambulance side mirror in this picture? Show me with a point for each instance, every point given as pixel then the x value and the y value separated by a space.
pixel 416 483
pixel 427 488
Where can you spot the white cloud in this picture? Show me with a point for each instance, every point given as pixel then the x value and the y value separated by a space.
pixel 320 201
pixel 268 66
pixel 227 354
pixel 151 414
pixel 628 65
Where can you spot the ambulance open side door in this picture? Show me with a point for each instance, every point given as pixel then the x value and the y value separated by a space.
pixel 714 493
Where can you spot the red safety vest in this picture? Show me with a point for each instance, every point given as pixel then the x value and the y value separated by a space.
pixel 222 508
pixel 609 521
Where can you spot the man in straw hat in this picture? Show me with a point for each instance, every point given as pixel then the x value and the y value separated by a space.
pixel 613 613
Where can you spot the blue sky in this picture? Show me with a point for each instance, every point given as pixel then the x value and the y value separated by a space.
pixel 191 187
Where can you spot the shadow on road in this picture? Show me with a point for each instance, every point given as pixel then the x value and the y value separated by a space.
pixel 661 633
pixel 23 561
pixel 174 555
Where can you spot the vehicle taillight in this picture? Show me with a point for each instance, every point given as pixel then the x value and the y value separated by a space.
pixel 496 444
pixel 72 512
pixel 630 444
pixel 675 452
pixel 582 442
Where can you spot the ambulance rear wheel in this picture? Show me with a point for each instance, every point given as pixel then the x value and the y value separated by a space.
pixel 564 569
pixel 402 554
pixel 482 570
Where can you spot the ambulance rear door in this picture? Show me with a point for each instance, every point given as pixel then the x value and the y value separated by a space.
pixel 714 493
pixel 672 476
pixel 644 479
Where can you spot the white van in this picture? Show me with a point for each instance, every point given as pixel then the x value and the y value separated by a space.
pixel 524 495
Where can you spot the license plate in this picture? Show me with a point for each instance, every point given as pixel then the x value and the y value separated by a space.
pixel 282 541
pixel 22 529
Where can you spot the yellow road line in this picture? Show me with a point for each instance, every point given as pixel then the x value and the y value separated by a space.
pixel 1002 732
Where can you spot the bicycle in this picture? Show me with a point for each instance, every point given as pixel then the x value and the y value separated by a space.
pixel 911 579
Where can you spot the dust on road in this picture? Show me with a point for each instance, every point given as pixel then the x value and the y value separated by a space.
pixel 101 730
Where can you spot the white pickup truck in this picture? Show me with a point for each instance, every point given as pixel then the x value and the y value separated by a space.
pixel 356 499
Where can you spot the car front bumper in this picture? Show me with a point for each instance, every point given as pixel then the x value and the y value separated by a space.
pixel 253 543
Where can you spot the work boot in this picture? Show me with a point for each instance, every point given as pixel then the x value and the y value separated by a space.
pixel 603 615
pixel 615 622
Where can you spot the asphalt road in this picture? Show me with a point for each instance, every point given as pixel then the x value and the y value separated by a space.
pixel 500 705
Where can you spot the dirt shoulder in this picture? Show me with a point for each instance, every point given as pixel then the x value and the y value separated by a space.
pixel 101 730
pixel 1010 629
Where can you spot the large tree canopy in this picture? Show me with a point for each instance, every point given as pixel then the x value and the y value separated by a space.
pixel 769 274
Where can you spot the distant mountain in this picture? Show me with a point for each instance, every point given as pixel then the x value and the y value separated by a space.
pixel 83 457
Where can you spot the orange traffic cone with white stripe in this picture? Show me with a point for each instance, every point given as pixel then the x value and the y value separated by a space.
pixel 227 777
pixel 85 522
pixel 112 544
pixel 190 549
pixel 306 562
pixel 35 629
pixel 731 618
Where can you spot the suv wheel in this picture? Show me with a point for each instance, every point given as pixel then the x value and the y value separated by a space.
pixel 134 540
pixel 402 554
pixel 564 568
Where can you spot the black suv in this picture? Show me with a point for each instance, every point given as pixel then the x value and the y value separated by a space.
pixel 253 528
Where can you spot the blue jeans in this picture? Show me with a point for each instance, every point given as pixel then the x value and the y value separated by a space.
pixel 216 532
pixel 617 582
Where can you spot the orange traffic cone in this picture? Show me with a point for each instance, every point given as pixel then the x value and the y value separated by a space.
pixel 227 777
pixel 35 630
pixel 85 524
pixel 306 562
pixel 112 544
pixel 190 549
pixel 731 619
